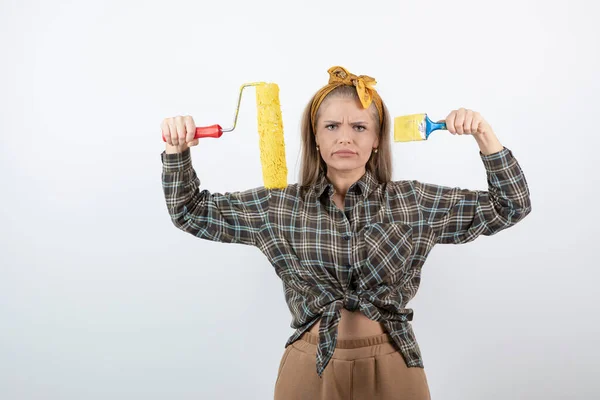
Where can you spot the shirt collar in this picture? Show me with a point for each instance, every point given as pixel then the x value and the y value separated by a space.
pixel 364 186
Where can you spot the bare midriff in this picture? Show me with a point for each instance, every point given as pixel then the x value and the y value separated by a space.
pixel 353 325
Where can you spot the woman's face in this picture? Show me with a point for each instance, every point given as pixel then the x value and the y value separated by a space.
pixel 346 134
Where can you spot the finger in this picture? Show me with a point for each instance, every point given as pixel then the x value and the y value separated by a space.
pixel 459 121
pixel 476 124
pixel 468 122
pixel 193 143
pixel 485 127
pixel 173 136
pixel 164 130
pixel 181 133
pixel 482 125
pixel 190 128
pixel 168 131
pixel 450 122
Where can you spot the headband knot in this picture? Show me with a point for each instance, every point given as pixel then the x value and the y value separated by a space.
pixel 365 88
pixel 365 85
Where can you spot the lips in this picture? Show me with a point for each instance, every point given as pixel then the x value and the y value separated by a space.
pixel 346 152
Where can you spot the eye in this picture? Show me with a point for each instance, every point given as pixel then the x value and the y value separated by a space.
pixel 360 128
pixel 330 127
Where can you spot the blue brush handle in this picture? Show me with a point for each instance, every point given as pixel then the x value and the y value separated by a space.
pixel 431 126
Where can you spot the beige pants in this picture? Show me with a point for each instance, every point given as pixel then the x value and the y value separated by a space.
pixel 368 368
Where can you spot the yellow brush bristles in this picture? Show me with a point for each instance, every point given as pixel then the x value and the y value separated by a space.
pixel 270 132
pixel 409 128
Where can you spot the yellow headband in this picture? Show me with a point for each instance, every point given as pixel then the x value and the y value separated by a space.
pixel 339 76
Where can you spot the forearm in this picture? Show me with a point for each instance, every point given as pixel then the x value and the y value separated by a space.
pixel 189 208
pixel 488 143
pixel 179 182
pixel 232 217
pixel 459 215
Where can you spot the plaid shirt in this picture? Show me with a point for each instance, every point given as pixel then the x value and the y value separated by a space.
pixel 367 257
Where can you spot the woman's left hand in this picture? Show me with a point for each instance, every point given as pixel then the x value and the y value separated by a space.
pixel 467 122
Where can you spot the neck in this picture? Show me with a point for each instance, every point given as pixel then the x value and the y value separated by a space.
pixel 342 180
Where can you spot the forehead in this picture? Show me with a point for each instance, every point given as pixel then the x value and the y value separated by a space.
pixel 338 107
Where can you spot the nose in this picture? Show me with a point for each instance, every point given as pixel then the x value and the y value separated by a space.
pixel 345 134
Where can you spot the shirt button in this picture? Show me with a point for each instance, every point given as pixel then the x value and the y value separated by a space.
pixel 346 237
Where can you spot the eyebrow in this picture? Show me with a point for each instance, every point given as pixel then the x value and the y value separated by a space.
pixel 352 123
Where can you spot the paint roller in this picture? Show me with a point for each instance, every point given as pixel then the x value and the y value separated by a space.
pixel 270 133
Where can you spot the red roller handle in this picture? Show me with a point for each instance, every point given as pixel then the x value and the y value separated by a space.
pixel 213 131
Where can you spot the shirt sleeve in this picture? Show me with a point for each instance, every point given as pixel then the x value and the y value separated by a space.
pixel 229 217
pixel 459 216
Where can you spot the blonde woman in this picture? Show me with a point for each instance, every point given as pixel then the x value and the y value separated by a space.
pixel 347 241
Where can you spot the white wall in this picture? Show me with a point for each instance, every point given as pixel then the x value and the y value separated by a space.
pixel 101 297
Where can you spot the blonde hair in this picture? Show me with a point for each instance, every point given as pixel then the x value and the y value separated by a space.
pixel 311 165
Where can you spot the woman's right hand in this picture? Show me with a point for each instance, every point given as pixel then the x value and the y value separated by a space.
pixel 179 133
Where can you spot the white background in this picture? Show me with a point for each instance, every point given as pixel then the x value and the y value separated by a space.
pixel 101 297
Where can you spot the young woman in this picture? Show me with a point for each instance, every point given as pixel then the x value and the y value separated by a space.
pixel 347 241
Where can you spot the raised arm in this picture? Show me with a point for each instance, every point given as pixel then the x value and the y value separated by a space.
pixel 230 217
pixel 460 215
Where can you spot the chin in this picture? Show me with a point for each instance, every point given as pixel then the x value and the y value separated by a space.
pixel 348 165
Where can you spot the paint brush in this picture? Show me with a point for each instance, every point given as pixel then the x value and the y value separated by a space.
pixel 415 127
